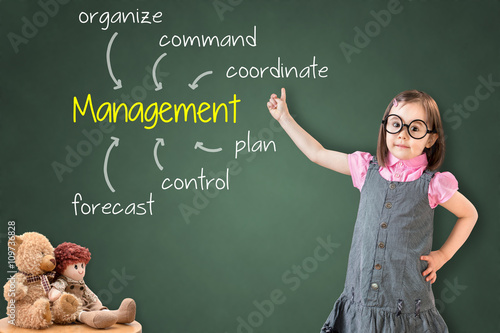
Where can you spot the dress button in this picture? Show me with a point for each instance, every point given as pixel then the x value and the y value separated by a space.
pixel 374 286
pixel 392 186
pixel 378 266
pixel 388 205
pixel 400 164
pixel 383 225
pixel 381 245
pixel 397 175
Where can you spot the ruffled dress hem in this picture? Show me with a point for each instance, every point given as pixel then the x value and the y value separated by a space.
pixel 352 317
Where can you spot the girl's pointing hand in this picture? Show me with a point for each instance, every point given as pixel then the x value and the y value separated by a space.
pixel 277 106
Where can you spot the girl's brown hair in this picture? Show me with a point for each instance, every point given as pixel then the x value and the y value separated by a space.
pixel 435 154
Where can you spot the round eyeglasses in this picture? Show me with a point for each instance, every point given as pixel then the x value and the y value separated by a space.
pixel 417 129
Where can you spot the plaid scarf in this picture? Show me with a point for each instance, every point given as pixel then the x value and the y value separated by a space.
pixel 43 278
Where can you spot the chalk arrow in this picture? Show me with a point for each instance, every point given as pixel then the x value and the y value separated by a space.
pixel 159 86
pixel 108 60
pixel 194 85
pixel 115 143
pixel 200 145
pixel 159 141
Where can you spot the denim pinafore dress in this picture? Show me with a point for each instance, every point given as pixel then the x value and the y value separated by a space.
pixel 385 291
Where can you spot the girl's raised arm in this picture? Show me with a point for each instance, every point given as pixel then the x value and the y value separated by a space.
pixel 330 159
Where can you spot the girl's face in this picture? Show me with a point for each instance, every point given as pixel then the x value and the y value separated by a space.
pixel 75 271
pixel 401 144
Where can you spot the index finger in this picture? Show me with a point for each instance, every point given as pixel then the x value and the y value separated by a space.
pixel 283 94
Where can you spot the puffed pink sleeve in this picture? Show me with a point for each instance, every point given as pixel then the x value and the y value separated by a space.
pixel 441 188
pixel 358 165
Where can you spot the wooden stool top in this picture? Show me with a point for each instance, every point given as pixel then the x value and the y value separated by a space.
pixel 133 327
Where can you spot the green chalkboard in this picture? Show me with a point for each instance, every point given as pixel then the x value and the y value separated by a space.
pixel 238 252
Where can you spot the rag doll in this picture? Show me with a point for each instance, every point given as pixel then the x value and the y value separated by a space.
pixel 72 260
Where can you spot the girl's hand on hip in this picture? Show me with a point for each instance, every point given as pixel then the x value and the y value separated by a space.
pixel 435 260
pixel 277 106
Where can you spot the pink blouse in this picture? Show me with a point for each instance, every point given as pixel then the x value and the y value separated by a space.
pixel 441 188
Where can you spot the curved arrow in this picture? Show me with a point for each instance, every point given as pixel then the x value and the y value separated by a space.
pixel 200 145
pixel 159 141
pixel 194 84
pixel 115 143
pixel 108 60
pixel 159 86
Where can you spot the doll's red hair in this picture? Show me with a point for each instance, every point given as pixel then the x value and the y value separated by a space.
pixel 68 254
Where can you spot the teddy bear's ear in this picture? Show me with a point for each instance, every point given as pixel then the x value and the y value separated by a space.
pixel 17 242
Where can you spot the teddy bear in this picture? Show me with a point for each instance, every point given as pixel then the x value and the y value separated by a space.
pixel 72 260
pixel 26 291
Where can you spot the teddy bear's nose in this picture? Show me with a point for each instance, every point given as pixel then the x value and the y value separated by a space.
pixel 53 261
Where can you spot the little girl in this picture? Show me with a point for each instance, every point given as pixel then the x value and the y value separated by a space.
pixel 391 265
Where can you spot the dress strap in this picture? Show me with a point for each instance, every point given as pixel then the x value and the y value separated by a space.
pixel 373 163
pixel 427 175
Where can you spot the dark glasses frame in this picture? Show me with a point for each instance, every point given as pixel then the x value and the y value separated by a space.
pixel 384 122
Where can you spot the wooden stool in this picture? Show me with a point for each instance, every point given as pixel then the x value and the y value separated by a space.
pixel 133 327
